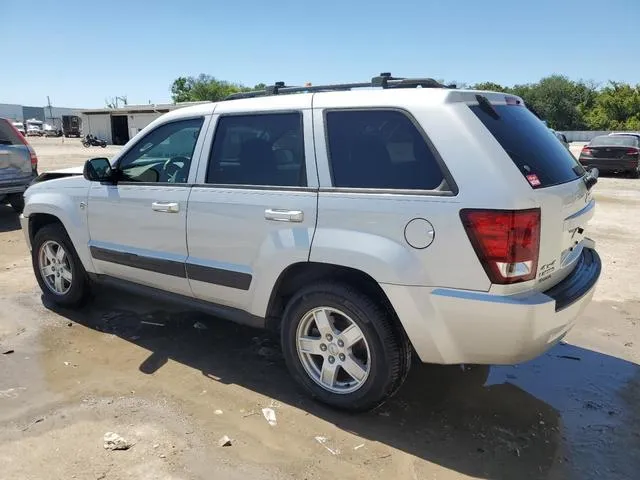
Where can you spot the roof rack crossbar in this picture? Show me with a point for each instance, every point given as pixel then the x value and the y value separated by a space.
pixel 384 80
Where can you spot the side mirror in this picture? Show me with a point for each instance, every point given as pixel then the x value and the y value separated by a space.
pixel 98 170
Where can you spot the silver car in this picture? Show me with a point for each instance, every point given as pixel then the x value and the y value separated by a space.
pixel 18 165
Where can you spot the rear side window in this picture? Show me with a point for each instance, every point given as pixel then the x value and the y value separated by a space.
pixel 8 135
pixel 533 148
pixel 258 150
pixel 379 149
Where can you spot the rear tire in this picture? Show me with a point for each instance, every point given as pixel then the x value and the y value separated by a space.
pixel 356 360
pixel 58 270
pixel 16 200
pixel 635 173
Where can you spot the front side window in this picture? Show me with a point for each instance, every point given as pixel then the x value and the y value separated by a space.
pixel 379 149
pixel 258 150
pixel 163 155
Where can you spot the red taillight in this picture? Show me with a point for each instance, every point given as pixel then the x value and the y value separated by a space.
pixel 586 151
pixel 507 242
pixel 632 151
pixel 34 158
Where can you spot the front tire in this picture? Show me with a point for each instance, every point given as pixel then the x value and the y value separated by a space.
pixel 16 200
pixel 58 270
pixel 86 144
pixel 343 347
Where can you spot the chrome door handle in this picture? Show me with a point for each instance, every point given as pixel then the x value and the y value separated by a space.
pixel 284 215
pixel 165 207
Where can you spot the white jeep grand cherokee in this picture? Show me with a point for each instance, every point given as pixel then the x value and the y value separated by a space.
pixel 362 224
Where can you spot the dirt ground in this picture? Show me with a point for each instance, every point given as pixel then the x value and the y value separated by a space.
pixel 141 369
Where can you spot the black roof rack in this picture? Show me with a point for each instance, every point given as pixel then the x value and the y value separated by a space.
pixel 384 80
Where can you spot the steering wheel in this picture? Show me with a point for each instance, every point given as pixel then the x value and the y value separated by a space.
pixel 171 168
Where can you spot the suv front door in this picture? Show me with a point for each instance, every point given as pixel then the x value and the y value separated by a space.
pixel 137 225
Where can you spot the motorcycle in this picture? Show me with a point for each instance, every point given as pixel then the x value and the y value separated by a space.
pixel 93 141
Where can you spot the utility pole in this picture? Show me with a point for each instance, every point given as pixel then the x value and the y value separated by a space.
pixel 50 109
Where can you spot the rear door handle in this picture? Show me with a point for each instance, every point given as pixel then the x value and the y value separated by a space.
pixel 165 207
pixel 284 215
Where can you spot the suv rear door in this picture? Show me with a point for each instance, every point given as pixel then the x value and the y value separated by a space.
pixel 15 157
pixel 253 211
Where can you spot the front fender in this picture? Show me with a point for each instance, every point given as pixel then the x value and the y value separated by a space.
pixel 65 206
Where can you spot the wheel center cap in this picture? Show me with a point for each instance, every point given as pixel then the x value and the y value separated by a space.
pixel 333 349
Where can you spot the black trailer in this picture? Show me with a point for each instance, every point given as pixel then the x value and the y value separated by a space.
pixel 71 126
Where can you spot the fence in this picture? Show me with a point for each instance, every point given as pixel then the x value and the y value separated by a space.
pixel 584 136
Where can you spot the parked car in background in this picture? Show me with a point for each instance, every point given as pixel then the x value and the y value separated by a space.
pixel 619 153
pixel 33 131
pixel 20 127
pixel 18 165
pixel 34 127
pixel 633 134
pixel 51 131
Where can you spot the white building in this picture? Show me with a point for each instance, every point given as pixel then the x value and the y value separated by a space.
pixel 118 125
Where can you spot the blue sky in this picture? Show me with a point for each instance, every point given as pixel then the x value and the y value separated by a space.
pixel 80 52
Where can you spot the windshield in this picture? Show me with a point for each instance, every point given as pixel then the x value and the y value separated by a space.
pixel 532 146
pixel 615 141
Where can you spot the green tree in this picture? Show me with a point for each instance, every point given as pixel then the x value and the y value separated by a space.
pixel 616 107
pixel 206 88
pixel 181 89
pixel 557 100
pixel 489 86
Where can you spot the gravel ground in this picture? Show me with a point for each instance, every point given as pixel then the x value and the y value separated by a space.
pixel 173 390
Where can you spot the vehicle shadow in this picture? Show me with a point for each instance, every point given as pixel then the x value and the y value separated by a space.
pixel 9 219
pixel 563 415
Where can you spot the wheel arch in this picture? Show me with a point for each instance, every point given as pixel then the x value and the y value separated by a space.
pixel 39 220
pixel 47 211
pixel 302 274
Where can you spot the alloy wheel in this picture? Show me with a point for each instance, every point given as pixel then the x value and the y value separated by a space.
pixel 333 350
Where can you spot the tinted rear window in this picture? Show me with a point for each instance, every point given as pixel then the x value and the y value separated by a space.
pixel 615 141
pixel 533 148
pixel 8 136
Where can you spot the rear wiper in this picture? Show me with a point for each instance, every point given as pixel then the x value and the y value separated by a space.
pixel 486 107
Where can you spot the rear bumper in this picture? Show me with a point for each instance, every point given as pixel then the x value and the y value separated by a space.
pixel 455 326
pixel 15 187
pixel 613 165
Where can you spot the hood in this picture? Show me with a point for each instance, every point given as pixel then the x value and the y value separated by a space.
pixel 69 171
pixel 54 174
